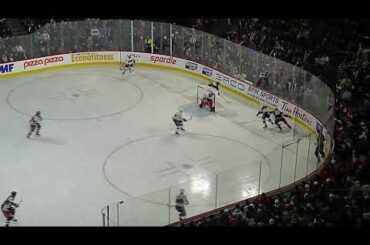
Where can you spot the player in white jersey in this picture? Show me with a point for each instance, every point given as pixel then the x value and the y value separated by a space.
pixel 129 64
pixel 181 201
pixel 265 115
pixel 8 208
pixel 178 120
pixel 35 124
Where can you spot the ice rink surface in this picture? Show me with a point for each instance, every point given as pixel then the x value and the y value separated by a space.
pixel 108 137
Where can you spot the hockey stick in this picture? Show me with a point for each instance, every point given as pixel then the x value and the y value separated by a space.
pixel 191 116
pixel 252 121
pixel 20 201
pixel 226 100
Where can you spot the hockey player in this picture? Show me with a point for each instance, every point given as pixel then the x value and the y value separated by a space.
pixel 208 100
pixel 178 120
pixel 8 208
pixel 215 86
pixel 35 124
pixel 264 106
pixel 265 115
pixel 129 65
pixel 320 147
pixel 181 201
pixel 279 117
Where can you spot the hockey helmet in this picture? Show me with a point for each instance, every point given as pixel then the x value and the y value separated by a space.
pixel 38 112
pixel 13 193
pixel 182 191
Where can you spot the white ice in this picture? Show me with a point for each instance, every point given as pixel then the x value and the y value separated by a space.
pixel 108 137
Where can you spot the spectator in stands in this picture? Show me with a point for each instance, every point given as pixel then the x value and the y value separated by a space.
pixel 20 52
pixel 4 58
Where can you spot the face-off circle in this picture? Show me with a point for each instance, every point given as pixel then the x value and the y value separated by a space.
pixel 173 161
pixel 75 97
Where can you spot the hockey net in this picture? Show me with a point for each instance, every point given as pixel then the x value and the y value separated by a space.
pixel 206 97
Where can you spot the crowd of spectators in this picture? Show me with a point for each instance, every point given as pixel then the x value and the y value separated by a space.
pixel 337 52
pixel 55 36
pixel 4 29
pixel 292 40
pixel 10 50
pixel 30 25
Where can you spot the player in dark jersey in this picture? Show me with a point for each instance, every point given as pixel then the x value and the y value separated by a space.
pixel 265 115
pixel 215 86
pixel 181 201
pixel 319 151
pixel 279 117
